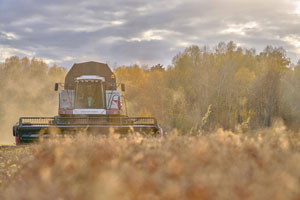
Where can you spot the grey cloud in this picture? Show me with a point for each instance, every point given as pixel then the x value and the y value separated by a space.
pixel 140 31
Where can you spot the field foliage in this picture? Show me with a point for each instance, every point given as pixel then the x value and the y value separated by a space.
pixel 219 165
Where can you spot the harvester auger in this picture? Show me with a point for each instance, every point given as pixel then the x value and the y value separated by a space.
pixel 89 102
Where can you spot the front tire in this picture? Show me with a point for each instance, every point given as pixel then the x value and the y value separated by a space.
pixel 15 133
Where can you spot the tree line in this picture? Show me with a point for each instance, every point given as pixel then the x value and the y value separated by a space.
pixel 227 87
pixel 204 89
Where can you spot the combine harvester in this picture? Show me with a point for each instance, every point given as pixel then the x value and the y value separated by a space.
pixel 89 102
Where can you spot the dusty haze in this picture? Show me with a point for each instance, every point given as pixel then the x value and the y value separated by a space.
pixel 27 89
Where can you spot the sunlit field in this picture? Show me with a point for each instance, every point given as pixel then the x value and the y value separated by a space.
pixel 219 165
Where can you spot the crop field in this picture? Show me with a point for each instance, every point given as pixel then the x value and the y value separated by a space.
pixel 219 165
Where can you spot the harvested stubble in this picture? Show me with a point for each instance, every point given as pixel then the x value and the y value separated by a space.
pixel 221 165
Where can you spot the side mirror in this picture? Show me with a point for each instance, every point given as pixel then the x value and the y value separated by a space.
pixel 123 87
pixel 56 87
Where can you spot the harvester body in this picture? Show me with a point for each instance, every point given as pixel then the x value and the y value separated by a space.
pixel 89 102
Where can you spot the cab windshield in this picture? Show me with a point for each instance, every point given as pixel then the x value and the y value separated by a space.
pixel 89 95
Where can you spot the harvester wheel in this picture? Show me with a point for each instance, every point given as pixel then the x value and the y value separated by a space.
pixel 17 140
pixel 161 132
pixel 15 133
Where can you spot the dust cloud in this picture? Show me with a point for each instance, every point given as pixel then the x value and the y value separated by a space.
pixel 26 89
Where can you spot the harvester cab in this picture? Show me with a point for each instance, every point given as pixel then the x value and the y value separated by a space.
pixel 89 97
pixel 88 102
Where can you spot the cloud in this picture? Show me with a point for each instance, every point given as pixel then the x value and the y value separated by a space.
pixel 239 29
pixel 6 51
pixel 294 41
pixel 140 31
pixel 8 35
pixel 298 8
pixel 152 35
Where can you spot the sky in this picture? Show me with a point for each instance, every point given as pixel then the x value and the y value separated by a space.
pixel 148 32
